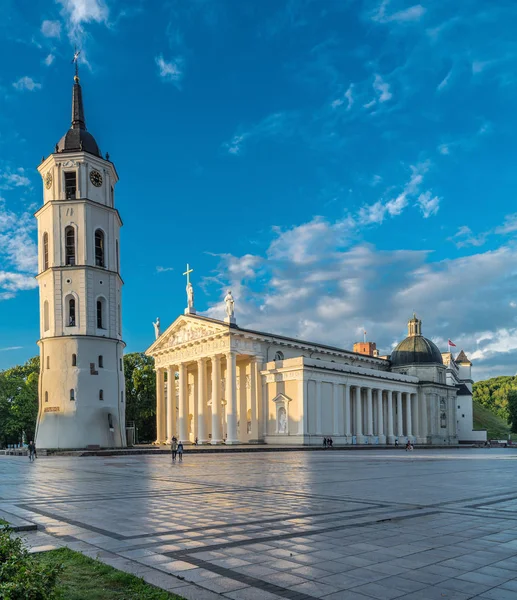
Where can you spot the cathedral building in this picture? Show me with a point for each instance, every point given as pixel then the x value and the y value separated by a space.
pixel 81 384
pixel 218 382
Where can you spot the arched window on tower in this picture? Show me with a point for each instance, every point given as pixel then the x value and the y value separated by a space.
pixel 74 360
pixel 99 248
pixel 101 310
pixel 45 251
pixel 46 325
pixel 71 313
pixel 69 246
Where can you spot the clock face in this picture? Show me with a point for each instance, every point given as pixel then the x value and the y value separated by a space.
pixel 48 180
pixel 96 178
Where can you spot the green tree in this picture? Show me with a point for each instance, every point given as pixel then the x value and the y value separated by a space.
pixel 512 410
pixel 19 402
pixel 141 394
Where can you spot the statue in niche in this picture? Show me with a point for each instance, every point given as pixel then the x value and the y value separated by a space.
pixel 190 295
pixel 230 304
pixel 282 420
pixel 156 326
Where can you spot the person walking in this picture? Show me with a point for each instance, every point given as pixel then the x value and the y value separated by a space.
pixel 180 451
pixel 174 449
pixel 32 451
pixel 324 442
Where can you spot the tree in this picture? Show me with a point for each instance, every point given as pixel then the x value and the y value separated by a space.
pixel 512 410
pixel 141 394
pixel 19 402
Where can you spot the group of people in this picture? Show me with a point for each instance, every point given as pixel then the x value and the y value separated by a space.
pixel 176 450
pixel 328 442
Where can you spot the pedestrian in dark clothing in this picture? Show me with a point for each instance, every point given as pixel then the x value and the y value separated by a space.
pixel 180 451
pixel 330 442
pixel 32 451
pixel 325 442
pixel 174 449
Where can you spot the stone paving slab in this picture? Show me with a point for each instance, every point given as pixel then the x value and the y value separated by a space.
pixel 297 525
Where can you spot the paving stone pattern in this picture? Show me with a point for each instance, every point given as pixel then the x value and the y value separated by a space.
pixel 423 525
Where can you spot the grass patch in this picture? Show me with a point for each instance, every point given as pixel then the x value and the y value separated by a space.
pixel 86 579
pixel 484 418
pixel 3 522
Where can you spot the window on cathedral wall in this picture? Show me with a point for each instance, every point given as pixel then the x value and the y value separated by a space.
pixel 100 259
pixel 45 251
pixel 46 396
pixel 69 246
pixel 48 362
pixel 72 395
pixel 70 185
pixel 74 360
pixel 101 362
pixel 101 394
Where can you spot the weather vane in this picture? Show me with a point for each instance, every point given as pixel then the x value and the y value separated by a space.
pixel 75 60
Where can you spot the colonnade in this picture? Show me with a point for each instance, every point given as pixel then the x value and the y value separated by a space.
pixel 205 405
pixel 372 412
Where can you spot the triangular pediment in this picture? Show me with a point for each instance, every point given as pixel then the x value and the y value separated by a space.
pixel 186 329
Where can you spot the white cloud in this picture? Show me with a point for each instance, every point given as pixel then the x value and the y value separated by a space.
pixel 10 348
pixel 509 225
pixel 164 269
pixel 444 82
pixel 51 29
pixel 429 204
pixel 170 70
pixel 282 124
pixel 377 212
pixel 49 59
pixel 26 83
pixel 444 149
pixel 85 11
pixel 10 180
pixel 464 238
pixel 408 15
pixel 382 88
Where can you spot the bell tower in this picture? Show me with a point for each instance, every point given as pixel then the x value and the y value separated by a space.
pixel 81 384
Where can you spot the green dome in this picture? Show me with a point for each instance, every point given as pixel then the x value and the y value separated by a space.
pixel 416 349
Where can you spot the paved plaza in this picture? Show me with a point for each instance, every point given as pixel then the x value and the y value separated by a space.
pixel 354 525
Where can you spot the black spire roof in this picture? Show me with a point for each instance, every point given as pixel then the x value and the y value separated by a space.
pixel 77 138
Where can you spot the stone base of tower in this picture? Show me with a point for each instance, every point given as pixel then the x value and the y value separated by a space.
pixel 82 393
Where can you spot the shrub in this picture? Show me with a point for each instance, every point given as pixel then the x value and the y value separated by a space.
pixel 22 577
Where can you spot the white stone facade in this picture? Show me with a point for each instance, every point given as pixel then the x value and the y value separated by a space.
pixel 242 386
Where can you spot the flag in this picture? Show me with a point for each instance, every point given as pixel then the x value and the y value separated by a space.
pixel 451 343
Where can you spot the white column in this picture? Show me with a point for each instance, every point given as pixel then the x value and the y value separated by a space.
pixel 201 401
pixel 302 406
pixel 171 393
pixel 415 415
pixel 318 408
pixel 231 398
pixel 335 405
pixel 424 430
pixel 183 403
pixel 400 430
pixel 408 415
pixel 254 400
pixel 358 416
pixel 216 400
pixel 348 424
pixel 160 407
pixel 243 403
pixel 391 437
pixel 380 418
pixel 369 412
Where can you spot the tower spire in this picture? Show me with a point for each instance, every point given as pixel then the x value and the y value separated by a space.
pixel 77 97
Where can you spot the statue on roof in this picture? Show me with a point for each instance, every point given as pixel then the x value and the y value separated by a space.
pixel 156 325
pixel 190 295
pixel 230 305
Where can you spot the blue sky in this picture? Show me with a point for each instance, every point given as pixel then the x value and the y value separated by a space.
pixel 338 164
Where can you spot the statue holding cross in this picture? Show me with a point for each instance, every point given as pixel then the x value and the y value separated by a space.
pixel 190 310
